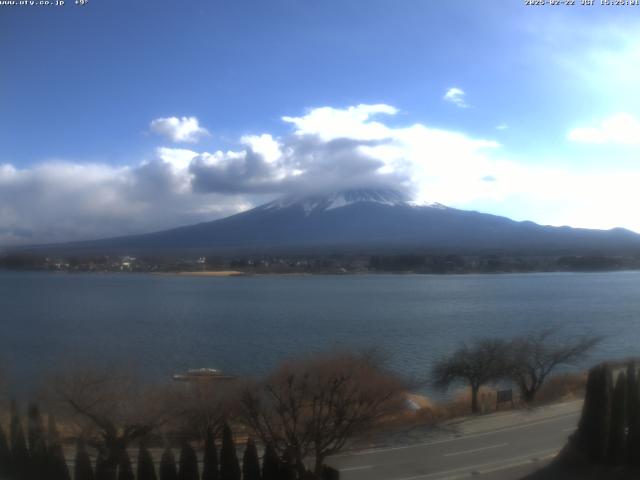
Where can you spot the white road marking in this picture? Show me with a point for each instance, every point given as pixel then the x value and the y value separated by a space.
pixel 463 452
pixel 465 437
pixel 351 469
pixel 486 467
pixel 506 466
pixel 565 404
pixel 569 429
pixel 507 415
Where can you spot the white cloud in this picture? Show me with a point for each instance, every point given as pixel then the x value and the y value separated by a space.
pixel 456 96
pixel 424 159
pixel 178 158
pixel 621 128
pixel 61 201
pixel 264 145
pixel 328 148
pixel 179 130
pixel 352 122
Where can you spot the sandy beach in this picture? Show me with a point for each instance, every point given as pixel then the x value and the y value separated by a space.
pixel 217 273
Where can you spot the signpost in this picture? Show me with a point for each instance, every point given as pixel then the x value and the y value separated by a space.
pixel 503 396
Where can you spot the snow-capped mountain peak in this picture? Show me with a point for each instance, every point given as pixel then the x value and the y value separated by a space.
pixel 367 220
pixel 324 202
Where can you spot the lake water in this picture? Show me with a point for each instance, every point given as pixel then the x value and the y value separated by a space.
pixel 246 325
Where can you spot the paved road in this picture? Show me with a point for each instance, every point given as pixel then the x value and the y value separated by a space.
pixel 501 446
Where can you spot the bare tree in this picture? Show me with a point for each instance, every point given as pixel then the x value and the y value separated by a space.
pixel 110 407
pixel 204 406
pixel 477 364
pixel 534 356
pixel 312 407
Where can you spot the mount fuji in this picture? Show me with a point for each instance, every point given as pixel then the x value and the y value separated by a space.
pixel 363 220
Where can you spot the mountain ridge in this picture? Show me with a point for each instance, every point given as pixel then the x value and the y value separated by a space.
pixel 366 220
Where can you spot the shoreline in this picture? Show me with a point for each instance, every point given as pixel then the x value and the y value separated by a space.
pixel 210 273
pixel 238 273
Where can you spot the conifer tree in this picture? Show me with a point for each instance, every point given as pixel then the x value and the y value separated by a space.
pixel 288 467
pixel 270 464
pixel 82 469
pixel 5 454
pixel 19 451
pixel 329 473
pixel 57 468
pixel 229 465
pixel 146 468
pixel 586 424
pixel 125 470
pixel 593 429
pixel 104 469
pixel 53 435
pixel 616 452
pixel 37 441
pixel 210 467
pixel 168 470
pixel 607 402
pixel 250 462
pixel 633 416
pixel 35 428
pixel 188 463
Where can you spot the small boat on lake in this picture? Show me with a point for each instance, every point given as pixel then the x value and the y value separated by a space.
pixel 202 374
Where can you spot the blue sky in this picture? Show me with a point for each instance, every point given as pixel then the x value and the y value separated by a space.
pixel 541 120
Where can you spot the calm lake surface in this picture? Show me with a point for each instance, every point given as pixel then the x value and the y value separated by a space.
pixel 245 325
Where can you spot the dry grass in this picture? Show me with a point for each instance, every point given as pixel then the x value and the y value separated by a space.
pixel 568 386
pixel 563 387
pixel 431 413
pixel 460 405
